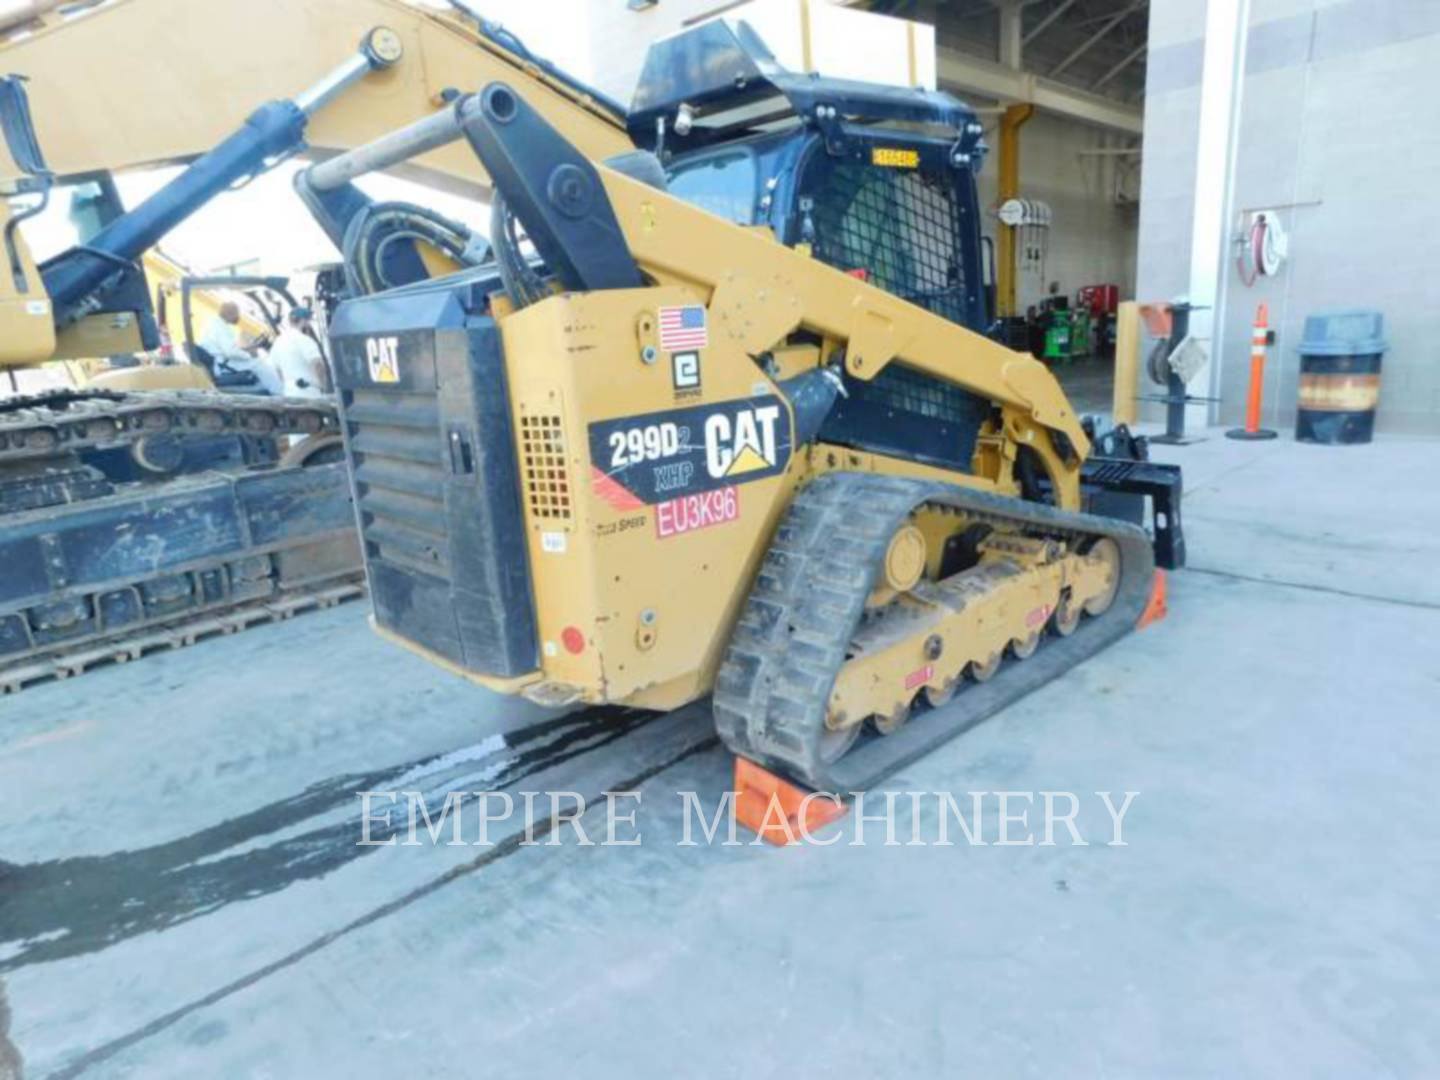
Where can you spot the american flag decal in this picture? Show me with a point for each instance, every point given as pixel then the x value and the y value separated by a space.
pixel 683 328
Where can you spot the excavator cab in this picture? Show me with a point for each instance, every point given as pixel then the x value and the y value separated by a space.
pixel 270 297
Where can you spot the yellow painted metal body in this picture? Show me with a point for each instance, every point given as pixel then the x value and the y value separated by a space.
pixel 598 561
pixel 631 608
pixel 27 323
pixel 1011 120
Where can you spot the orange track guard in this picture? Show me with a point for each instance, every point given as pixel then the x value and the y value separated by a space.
pixel 1157 607
pixel 772 808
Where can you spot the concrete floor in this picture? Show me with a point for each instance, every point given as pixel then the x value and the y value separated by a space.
pixel 1089 383
pixel 182 893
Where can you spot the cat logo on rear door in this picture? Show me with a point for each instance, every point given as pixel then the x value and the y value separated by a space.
pixel 383 357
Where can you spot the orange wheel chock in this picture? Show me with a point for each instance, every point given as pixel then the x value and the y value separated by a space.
pixel 1156 608
pixel 778 811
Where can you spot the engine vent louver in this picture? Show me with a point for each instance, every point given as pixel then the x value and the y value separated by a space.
pixel 546 475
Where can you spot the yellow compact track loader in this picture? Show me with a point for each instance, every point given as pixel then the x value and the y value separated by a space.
pixel 723 419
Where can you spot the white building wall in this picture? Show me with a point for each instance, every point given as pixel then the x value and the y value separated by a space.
pixel 1338 135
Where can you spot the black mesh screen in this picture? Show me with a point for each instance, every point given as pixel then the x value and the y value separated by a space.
pixel 908 414
pixel 920 395
pixel 897 225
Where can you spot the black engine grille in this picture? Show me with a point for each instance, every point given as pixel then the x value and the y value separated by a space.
pixel 436 479
pixel 399 480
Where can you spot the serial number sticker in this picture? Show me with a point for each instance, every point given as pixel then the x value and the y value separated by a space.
pixel 920 677
pixel 1037 617
pixel 892 157
pixel 553 542
pixel 691 513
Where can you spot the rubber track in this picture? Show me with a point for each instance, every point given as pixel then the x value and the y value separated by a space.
pixel 774 684
pixel 44 425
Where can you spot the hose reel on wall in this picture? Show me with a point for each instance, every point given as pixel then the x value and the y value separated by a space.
pixel 1261 248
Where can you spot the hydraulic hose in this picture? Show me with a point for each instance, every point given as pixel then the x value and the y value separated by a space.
pixel 371 234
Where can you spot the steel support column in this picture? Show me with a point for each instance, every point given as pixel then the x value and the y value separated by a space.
pixel 1221 85
pixel 1011 121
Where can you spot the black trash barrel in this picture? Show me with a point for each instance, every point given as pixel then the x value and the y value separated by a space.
pixel 1340 377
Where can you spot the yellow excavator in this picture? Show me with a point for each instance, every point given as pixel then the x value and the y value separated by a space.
pixel 135 511
pixel 715 411
pixel 183 302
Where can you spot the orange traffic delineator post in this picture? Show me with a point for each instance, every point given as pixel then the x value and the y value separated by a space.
pixel 778 811
pixel 1259 341
pixel 1157 607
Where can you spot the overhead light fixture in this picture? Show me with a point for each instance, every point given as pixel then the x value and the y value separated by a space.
pixel 641 5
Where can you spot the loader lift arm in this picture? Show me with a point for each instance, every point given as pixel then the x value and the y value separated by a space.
pixel 598 228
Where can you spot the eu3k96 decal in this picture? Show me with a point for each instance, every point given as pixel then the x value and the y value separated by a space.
pixel 656 457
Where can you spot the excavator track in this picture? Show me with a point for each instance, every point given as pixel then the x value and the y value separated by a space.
pixel 103 570
pixel 46 425
pixel 272 605
pixel 799 626
pixel 99 579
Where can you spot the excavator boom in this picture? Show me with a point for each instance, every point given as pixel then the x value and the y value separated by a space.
pixel 92 113
pixel 63 117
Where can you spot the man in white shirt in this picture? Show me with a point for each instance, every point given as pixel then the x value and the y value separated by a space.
pixel 222 342
pixel 298 359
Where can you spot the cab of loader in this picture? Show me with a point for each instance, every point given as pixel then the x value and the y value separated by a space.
pixel 878 181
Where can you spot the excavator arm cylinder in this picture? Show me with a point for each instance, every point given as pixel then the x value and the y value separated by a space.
pixel 77 278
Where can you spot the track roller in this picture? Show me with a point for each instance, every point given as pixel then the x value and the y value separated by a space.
pixel 880 591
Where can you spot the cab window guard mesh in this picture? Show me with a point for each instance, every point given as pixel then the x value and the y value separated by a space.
pixel 897 225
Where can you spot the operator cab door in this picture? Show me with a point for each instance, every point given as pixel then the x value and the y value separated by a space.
pixel 894 212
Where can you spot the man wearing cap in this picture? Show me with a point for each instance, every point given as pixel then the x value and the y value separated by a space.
pixel 297 358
